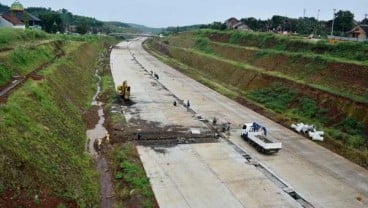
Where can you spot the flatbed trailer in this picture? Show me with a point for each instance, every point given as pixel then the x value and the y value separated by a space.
pixel 256 135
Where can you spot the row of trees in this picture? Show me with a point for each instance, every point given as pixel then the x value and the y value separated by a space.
pixel 344 22
pixel 64 21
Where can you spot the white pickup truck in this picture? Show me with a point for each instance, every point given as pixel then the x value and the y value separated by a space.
pixel 256 135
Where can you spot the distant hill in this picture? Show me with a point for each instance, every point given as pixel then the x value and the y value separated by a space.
pixel 118 24
pixel 145 29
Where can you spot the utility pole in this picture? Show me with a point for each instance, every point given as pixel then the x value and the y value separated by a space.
pixel 318 14
pixel 317 23
pixel 304 11
pixel 333 21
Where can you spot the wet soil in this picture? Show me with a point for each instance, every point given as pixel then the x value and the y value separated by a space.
pixel 91 117
pixel 11 199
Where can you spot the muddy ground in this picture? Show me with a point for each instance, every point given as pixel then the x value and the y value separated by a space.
pixel 17 198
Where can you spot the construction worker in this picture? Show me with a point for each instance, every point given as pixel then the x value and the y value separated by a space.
pixel 214 121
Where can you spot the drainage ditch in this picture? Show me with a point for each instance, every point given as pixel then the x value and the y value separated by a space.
pixel 95 137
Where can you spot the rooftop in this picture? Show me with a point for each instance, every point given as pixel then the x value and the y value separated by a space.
pixel 16 6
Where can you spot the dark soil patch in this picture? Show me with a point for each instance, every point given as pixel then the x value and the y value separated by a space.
pixel 36 77
pixel 224 38
pixel 91 117
pixel 10 199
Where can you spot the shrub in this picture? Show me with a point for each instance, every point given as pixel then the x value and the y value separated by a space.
pixel 202 44
pixel 276 98
pixel 307 107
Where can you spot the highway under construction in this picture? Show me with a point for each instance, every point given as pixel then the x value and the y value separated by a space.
pixel 191 163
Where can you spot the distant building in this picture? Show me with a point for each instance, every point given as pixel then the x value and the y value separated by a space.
pixel 359 32
pixel 17 17
pixel 231 22
pixel 234 24
pixel 10 21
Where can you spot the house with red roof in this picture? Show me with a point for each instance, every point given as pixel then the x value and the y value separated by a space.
pixel 17 17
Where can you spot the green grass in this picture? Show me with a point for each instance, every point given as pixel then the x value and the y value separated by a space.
pixel 130 178
pixel 23 60
pixel 280 75
pixel 346 50
pixel 42 132
pixel 276 98
pixel 202 44
pixel 304 109
pixel 12 37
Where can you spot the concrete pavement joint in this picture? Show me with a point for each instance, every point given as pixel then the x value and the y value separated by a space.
pixel 173 182
pixel 270 175
pixel 217 176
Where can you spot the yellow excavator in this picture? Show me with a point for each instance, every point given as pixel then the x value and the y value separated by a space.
pixel 123 90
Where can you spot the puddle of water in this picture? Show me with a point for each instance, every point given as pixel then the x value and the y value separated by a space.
pixel 96 133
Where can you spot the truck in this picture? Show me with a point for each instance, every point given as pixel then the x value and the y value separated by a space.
pixel 256 135
pixel 123 90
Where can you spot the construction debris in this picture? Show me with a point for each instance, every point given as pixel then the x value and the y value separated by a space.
pixel 310 130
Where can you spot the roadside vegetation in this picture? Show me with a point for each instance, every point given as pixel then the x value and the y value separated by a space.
pixel 132 186
pixel 286 78
pixel 344 50
pixel 9 38
pixel 43 162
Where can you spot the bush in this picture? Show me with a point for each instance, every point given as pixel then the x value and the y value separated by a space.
pixel 276 98
pixel 202 44
pixel 307 107
pixel 351 126
pixel 5 74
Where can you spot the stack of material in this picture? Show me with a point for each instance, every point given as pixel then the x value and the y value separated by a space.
pixel 310 130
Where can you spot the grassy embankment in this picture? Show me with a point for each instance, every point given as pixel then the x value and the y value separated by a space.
pixel 131 185
pixel 324 85
pixel 43 162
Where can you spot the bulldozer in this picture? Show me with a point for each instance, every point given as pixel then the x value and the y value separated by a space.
pixel 123 90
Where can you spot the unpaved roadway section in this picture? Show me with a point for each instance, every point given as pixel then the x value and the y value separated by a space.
pixel 321 177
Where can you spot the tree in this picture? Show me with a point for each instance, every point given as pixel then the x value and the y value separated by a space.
pixel 278 22
pixel 251 22
pixel 344 21
pixel 82 28
pixel 217 26
pixel 67 18
pixel 306 25
pixel 26 19
pixel 51 22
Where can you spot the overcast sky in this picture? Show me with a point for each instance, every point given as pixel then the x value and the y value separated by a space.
pixel 163 13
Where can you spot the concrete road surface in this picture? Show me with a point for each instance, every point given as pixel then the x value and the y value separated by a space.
pixel 211 175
